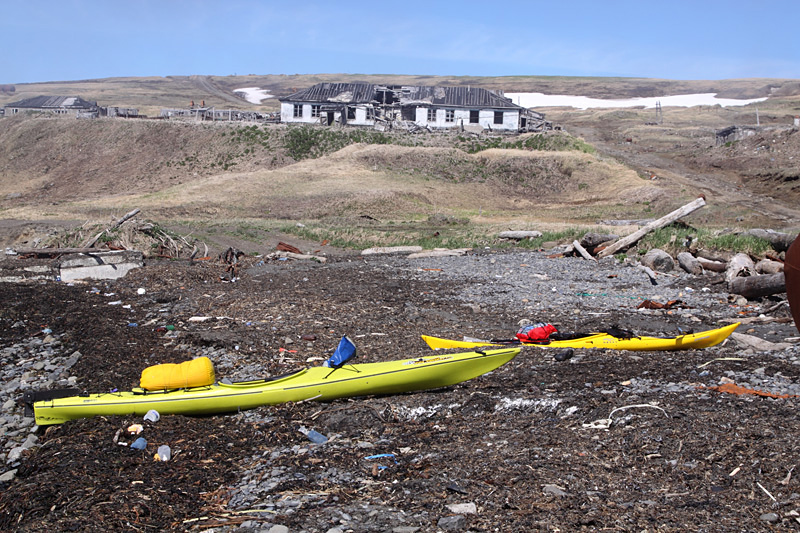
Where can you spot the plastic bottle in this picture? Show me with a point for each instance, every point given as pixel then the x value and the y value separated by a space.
pixel 314 436
pixel 164 453
pixel 139 444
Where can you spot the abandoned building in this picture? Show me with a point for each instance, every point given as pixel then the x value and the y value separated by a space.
pixel 366 104
pixel 58 105
pixel 73 106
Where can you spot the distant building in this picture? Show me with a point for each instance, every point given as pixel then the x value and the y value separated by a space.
pixel 431 107
pixel 58 105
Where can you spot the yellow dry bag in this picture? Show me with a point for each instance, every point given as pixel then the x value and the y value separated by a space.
pixel 195 373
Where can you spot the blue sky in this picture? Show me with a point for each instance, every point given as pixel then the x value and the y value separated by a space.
pixel 46 40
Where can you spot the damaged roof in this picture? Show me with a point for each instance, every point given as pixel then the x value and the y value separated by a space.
pixel 406 95
pixel 453 96
pixel 344 93
pixel 53 102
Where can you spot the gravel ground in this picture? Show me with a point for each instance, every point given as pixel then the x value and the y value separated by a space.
pixel 623 440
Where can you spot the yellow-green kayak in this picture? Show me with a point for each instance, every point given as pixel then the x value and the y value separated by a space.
pixel 316 383
pixel 690 341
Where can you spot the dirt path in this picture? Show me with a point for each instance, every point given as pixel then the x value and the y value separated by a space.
pixel 205 83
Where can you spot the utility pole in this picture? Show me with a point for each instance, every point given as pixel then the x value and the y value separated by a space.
pixel 659 114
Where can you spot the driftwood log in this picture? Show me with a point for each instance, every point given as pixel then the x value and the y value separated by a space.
pixel 391 250
pixel 660 223
pixel 116 224
pixel 690 264
pixel 757 286
pixel 590 241
pixel 740 265
pixel 439 252
pixel 779 241
pixel 520 235
pixel 768 266
pixel 581 250
pixel 42 252
pixel 710 264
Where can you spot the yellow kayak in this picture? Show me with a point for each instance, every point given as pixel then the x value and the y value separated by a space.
pixel 315 383
pixel 690 341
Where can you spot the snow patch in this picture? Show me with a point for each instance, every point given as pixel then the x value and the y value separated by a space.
pixel 584 102
pixel 254 95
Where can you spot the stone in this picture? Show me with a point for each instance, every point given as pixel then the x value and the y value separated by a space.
pixel 554 490
pixel 463 508
pixel 452 523
pixel 658 260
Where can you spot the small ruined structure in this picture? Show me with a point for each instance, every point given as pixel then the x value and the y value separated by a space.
pixel 734 133
pixel 430 107
pixel 213 114
pixel 126 112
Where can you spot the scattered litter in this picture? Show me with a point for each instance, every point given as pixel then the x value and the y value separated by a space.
pixel 720 359
pixel 766 491
pixel 152 416
pixel 139 444
pixel 605 423
pixel 135 429
pixel 140 291
pixel 382 455
pixel 671 304
pixel 163 454
pixel 733 388
pixel 314 436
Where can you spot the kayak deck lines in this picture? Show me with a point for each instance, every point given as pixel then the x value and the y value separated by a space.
pixel 687 341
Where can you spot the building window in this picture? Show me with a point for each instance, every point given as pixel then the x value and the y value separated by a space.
pixel 370 113
pixel 498 117
pixel 431 115
pixel 449 115
pixel 351 113
pixel 298 111
pixel 473 116
pixel 315 110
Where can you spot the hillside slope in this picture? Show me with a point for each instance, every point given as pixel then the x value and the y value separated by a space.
pixel 68 168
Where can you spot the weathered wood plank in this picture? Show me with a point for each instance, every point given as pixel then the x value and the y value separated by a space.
pixel 660 223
